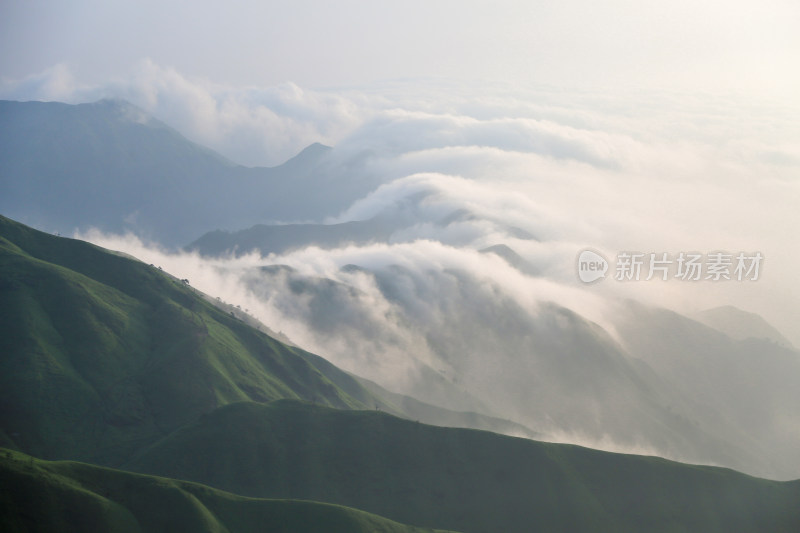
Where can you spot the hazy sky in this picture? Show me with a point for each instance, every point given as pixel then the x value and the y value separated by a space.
pixel 712 45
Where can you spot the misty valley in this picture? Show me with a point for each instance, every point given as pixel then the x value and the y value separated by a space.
pixel 395 333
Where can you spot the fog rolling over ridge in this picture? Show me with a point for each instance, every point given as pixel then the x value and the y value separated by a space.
pixel 142 175
pixel 400 266
pixel 444 264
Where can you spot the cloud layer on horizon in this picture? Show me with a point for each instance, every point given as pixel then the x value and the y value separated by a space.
pixel 654 172
pixel 266 125
pixel 462 169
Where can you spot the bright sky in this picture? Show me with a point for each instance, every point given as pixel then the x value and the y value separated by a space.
pixel 709 45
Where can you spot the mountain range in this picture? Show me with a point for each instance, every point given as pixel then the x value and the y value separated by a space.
pixel 548 372
pixel 132 172
pixel 423 375
pixel 102 353
pixel 662 382
pixel 37 495
pixel 111 361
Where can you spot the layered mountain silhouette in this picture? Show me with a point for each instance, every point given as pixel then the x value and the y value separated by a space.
pixel 116 364
pixel 392 226
pixel 130 172
pixel 103 354
pixel 108 360
pixel 276 239
pixel 460 479
pixel 38 495
pixel 668 385
pixel 741 325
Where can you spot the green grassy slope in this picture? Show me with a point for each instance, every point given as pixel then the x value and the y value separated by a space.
pixel 45 496
pixel 101 355
pixel 461 479
pixel 104 359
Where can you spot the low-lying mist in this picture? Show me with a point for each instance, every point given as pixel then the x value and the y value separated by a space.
pixel 473 301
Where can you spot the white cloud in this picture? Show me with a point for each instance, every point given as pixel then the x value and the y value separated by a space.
pixel 651 171
pixel 251 126
pixel 54 84
pixel 632 172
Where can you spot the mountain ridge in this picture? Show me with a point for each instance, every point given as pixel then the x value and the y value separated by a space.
pixel 109 360
pixel 135 353
pixel 469 480
pixel 66 496
pixel 153 181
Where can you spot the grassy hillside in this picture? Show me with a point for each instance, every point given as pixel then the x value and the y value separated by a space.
pixel 107 360
pixel 45 496
pixel 467 480
pixel 100 354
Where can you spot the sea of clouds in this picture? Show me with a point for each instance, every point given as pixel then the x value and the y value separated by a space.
pixel 546 172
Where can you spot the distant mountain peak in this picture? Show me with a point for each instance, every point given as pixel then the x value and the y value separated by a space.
pixel 740 325
pixel 316 148
pixel 308 155
pixel 128 111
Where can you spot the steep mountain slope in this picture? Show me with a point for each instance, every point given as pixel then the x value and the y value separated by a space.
pixel 468 480
pixel 743 389
pixel 101 354
pixel 109 360
pixel 468 345
pixel 131 172
pixel 38 495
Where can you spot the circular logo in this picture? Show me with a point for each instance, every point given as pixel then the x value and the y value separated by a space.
pixel 591 266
